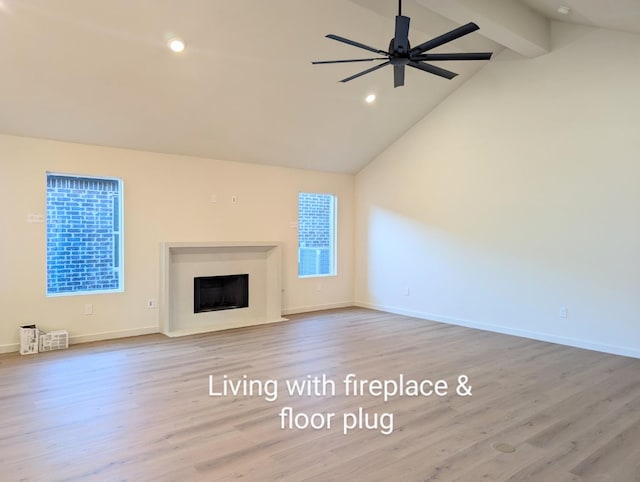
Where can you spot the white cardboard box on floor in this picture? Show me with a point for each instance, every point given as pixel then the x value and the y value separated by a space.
pixel 29 335
pixel 53 340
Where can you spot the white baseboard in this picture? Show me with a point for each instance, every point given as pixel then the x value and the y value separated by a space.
pixel 9 347
pixel 112 335
pixel 106 335
pixel 307 309
pixel 534 335
pixel 578 343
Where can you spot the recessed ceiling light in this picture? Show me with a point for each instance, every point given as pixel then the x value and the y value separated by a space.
pixel 564 10
pixel 176 44
pixel 370 98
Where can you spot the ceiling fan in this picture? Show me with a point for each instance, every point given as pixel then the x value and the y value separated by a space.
pixel 400 53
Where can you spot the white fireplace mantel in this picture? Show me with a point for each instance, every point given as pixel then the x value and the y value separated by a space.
pixel 182 262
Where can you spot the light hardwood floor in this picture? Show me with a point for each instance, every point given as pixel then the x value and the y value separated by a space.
pixel 139 409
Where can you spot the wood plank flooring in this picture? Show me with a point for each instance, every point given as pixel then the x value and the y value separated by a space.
pixel 139 409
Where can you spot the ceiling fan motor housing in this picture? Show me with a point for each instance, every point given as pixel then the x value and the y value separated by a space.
pixel 399 52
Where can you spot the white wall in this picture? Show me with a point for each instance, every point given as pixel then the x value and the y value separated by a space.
pixel 166 198
pixel 518 195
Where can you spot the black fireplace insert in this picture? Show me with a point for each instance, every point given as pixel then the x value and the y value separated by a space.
pixel 214 293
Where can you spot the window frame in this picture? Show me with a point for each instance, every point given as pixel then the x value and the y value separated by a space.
pixel 117 235
pixel 333 236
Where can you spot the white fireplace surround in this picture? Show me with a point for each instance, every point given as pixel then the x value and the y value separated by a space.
pixel 182 262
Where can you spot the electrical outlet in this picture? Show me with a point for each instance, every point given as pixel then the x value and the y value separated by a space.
pixel 405 291
pixel 88 309
pixel 152 303
pixel 319 287
pixel 234 199
pixel 563 312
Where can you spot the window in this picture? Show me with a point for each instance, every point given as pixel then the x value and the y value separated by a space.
pixel 84 235
pixel 316 234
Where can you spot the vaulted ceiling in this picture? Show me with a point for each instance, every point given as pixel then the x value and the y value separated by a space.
pixel 99 72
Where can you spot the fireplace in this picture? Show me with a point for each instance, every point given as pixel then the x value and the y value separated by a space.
pixel 215 293
pixel 181 262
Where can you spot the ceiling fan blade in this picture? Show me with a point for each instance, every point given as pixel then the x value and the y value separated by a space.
pixel 355 44
pixel 444 38
pixel 398 75
pixel 401 37
pixel 365 71
pixel 345 61
pixel 432 69
pixel 462 56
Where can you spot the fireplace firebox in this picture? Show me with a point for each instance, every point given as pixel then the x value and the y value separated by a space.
pixel 214 293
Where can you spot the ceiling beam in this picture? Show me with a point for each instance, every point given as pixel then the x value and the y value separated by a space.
pixel 506 22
